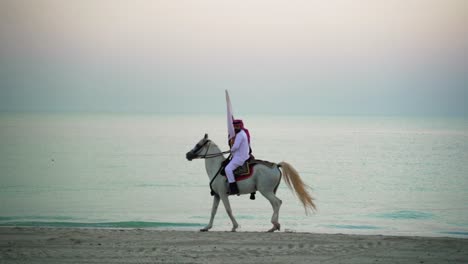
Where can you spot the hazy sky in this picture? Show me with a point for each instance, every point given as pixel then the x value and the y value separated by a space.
pixel 383 57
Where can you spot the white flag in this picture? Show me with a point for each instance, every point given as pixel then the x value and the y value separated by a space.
pixel 230 117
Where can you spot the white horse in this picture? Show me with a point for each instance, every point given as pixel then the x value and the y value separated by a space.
pixel 264 179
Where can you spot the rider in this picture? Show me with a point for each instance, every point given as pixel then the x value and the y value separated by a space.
pixel 240 150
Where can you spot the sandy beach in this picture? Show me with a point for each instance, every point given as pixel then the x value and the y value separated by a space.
pixel 68 245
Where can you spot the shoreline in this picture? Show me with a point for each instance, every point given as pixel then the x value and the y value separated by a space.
pixel 194 227
pixel 121 245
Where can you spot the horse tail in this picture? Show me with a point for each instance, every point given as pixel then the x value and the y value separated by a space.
pixel 294 182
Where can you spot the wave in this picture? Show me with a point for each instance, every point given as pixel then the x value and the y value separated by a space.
pixel 458 233
pixel 32 221
pixel 369 227
pixel 405 215
pixel 35 217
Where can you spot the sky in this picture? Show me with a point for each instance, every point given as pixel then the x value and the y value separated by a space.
pixel 336 57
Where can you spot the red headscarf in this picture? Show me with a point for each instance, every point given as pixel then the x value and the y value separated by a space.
pixel 241 123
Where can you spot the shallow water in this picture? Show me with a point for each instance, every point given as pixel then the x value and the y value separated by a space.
pixel 370 175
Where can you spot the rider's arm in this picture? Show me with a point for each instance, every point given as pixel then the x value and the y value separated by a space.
pixel 237 142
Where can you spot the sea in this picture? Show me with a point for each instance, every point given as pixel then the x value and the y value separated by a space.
pixel 404 176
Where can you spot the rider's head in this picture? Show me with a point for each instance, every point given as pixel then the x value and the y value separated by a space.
pixel 238 125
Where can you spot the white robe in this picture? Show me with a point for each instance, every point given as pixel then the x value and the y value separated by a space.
pixel 240 153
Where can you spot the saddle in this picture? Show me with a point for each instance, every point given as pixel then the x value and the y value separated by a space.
pixel 246 170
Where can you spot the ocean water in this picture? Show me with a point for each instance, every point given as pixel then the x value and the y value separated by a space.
pixel 370 175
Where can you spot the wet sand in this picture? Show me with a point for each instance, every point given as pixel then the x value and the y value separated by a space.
pixel 73 245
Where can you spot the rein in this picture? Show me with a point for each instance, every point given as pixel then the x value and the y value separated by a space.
pixel 214 155
pixel 209 156
pixel 216 175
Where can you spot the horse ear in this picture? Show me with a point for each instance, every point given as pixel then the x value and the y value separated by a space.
pixel 206 136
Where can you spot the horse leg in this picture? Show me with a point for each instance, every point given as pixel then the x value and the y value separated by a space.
pixel 213 213
pixel 276 204
pixel 227 205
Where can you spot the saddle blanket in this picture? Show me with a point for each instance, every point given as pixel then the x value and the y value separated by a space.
pixel 247 169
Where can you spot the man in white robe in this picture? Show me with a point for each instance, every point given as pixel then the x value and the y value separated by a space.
pixel 240 151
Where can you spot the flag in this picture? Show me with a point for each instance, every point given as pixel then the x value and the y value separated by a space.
pixel 230 117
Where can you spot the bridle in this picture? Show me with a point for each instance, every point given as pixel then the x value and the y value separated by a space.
pixel 198 147
pixel 195 155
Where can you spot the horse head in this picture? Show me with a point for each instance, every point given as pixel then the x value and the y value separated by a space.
pixel 193 153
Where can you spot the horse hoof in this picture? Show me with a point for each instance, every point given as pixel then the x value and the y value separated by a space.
pixel 274 228
pixel 204 230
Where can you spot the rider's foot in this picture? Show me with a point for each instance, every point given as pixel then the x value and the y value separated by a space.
pixel 233 188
